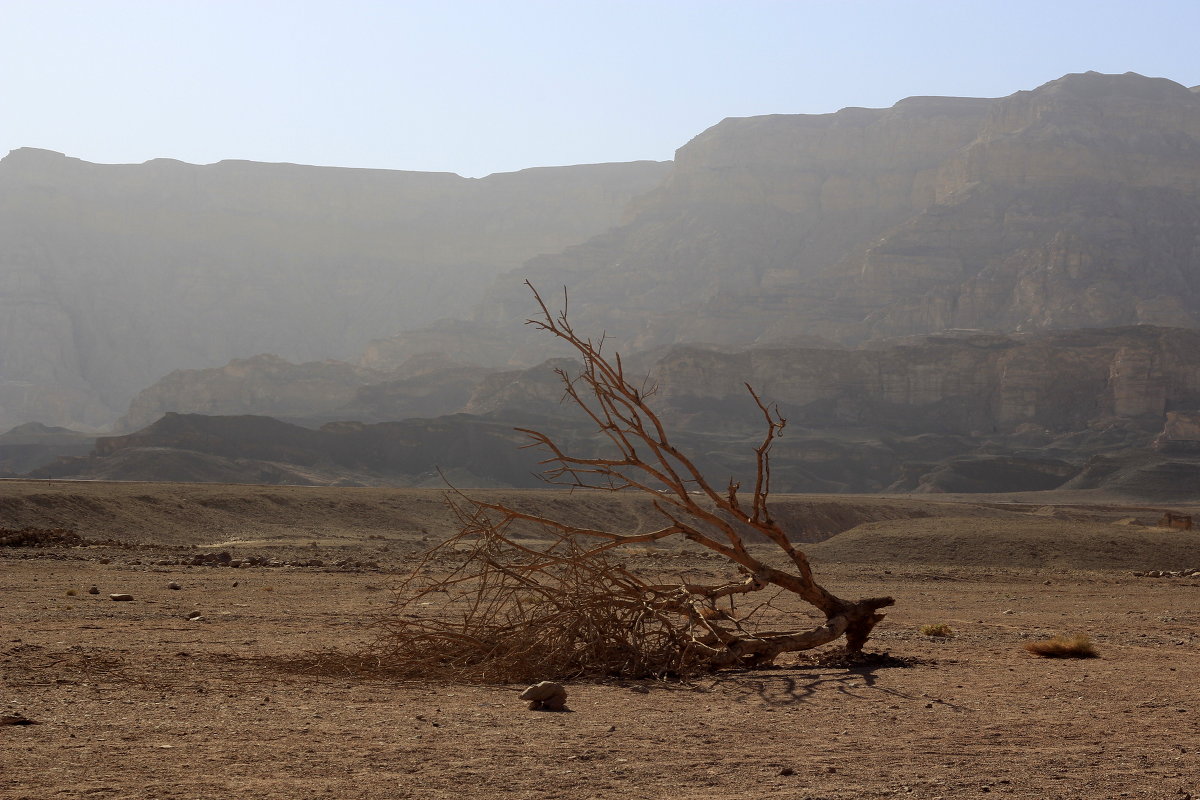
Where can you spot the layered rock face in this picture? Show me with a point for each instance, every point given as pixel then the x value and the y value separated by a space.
pixel 1076 204
pixel 960 383
pixel 752 214
pixel 111 276
pixel 950 412
pixel 945 295
pixel 265 384
pixel 310 393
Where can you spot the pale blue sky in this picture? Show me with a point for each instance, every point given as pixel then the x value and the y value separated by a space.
pixel 478 87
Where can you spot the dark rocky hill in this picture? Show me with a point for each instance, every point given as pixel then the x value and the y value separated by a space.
pixel 31 445
pixel 1109 408
pixel 252 449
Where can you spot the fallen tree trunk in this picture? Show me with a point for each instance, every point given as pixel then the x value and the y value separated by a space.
pixel 534 598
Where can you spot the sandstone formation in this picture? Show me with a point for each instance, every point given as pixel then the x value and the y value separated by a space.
pixel 112 276
pixel 1180 433
pixel 1076 204
pixel 952 294
pixel 961 411
pixel 964 382
pixel 310 393
pixel 265 384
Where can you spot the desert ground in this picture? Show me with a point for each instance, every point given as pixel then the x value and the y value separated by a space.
pixel 133 699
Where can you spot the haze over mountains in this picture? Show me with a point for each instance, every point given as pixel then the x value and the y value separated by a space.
pixel 1003 288
pixel 111 276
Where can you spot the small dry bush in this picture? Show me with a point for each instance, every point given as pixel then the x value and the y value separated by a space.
pixel 940 629
pixel 506 616
pixel 1078 646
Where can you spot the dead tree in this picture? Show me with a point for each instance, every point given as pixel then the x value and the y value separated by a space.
pixel 513 608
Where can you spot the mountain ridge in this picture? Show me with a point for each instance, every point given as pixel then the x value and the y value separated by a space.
pixel 943 293
pixel 111 276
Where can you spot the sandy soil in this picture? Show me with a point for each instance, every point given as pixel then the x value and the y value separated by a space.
pixel 131 699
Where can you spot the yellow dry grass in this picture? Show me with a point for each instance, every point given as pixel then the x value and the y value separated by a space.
pixel 939 629
pixel 1077 646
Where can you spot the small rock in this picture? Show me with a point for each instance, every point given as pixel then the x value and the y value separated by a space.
pixel 545 696
pixel 193 615
pixel 16 719
pixel 94 590
pixel 121 597
pixel 787 771
pixel 174 585
pixel 640 689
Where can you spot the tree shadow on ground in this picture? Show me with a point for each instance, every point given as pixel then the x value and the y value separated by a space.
pixel 791 685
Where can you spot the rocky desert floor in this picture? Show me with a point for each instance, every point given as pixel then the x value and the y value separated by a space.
pixel 134 699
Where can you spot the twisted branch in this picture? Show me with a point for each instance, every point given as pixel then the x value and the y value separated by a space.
pixel 511 608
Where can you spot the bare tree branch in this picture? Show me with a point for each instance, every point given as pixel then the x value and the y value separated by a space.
pixel 558 605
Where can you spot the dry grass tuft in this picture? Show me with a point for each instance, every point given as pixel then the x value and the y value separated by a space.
pixel 1078 646
pixel 940 629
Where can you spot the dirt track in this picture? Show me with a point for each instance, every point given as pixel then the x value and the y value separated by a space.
pixel 133 700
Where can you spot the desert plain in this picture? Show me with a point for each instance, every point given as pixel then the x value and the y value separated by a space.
pixel 216 689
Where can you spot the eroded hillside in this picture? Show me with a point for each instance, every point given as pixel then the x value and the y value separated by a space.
pixel 112 276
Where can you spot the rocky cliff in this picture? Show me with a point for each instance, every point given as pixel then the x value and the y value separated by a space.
pixel 949 294
pixel 1116 409
pixel 1076 204
pixel 309 393
pixel 112 276
pixel 964 382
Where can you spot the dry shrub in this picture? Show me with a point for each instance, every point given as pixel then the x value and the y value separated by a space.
pixel 503 611
pixel 1078 646
pixel 939 630
pixel 493 605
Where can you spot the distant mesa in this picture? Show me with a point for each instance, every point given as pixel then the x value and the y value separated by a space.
pixel 954 412
pixel 116 275
pixel 952 292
